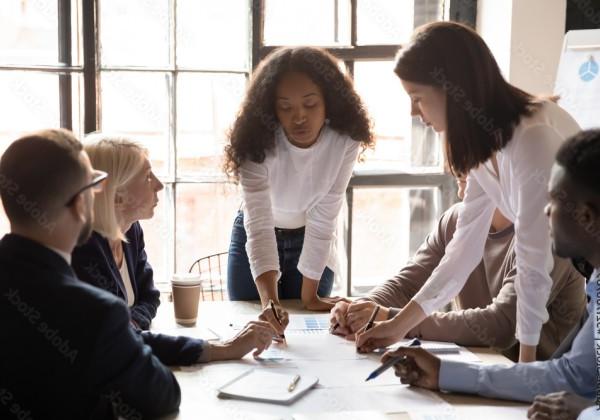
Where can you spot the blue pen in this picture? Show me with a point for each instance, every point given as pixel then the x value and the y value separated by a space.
pixel 391 362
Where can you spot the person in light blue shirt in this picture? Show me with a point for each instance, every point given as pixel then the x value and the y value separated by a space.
pixel 574 213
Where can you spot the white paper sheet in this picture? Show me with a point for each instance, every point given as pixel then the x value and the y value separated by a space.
pixel 313 347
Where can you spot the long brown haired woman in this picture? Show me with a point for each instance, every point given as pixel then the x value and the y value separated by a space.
pixel 292 147
pixel 505 139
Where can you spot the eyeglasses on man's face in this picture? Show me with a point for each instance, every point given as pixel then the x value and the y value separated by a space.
pixel 96 185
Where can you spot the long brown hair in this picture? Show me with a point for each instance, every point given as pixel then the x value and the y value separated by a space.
pixel 482 109
pixel 253 132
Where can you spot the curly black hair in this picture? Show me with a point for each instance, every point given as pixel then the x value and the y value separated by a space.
pixel 579 155
pixel 253 132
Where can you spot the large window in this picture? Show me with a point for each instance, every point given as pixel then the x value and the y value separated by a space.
pixel 41 82
pixel 174 81
pixel 171 74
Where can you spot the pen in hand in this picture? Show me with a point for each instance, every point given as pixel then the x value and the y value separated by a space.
pixel 391 362
pixel 276 316
pixel 372 319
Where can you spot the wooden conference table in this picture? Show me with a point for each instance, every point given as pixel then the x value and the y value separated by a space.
pixel 199 383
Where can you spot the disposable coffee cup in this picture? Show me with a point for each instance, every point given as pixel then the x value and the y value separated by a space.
pixel 186 295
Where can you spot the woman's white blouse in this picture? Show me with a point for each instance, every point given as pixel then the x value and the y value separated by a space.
pixel 297 187
pixel 520 193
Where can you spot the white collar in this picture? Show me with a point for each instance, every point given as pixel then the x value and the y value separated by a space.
pixel 66 256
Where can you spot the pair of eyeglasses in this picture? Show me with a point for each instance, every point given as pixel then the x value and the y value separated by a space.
pixel 96 185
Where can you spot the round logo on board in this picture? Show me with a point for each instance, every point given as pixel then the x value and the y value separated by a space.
pixel 589 70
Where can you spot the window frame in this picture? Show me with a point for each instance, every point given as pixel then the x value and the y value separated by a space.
pixel 65 67
pixel 90 69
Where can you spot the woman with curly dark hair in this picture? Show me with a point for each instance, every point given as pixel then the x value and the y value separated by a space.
pixel 292 148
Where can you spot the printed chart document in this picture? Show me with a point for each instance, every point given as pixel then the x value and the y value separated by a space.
pixel 313 324
pixel 266 386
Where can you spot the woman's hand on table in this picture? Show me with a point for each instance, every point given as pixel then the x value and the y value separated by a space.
pixel 256 335
pixel 317 303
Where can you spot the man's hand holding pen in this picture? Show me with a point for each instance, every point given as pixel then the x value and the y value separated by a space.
pixel 417 367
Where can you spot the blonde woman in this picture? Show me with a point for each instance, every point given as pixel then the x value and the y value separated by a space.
pixel 114 257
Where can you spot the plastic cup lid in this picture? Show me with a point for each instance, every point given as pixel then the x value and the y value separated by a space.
pixel 186 279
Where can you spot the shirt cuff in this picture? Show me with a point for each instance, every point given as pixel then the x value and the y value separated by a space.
pixel 590 413
pixel 263 269
pixel 308 273
pixel 528 339
pixel 204 352
pixel 458 377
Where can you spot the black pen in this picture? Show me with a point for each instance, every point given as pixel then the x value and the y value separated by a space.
pixel 276 316
pixel 372 319
pixel 391 362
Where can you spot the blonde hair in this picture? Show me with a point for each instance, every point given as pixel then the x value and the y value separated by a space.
pixel 122 159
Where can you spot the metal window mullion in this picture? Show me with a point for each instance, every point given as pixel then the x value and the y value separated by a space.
pixel 91 74
pixel 258 24
pixel 65 87
pixel 41 69
pixel 353 22
pixel 172 166
pixel 348 236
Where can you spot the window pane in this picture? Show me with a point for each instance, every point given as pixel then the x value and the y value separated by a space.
pixel 213 35
pixel 307 22
pixel 206 107
pixel 388 225
pixel 137 105
pixel 134 32
pixel 29 102
pixel 29 32
pixel 384 21
pixel 158 236
pixel 205 214
pixel 389 107
pixel 428 11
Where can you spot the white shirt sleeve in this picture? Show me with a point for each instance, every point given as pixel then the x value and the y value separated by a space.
pixel 321 219
pixel 261 245
pixel 531 171
pixel 463 253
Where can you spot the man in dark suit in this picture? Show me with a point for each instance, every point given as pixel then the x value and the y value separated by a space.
pixel 68 350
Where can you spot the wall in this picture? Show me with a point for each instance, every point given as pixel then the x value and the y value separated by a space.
pixel 526 38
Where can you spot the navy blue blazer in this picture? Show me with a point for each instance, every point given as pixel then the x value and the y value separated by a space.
pixel 94 263
pixel 68 349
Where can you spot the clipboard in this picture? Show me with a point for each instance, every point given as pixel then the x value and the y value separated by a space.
pixel 261 385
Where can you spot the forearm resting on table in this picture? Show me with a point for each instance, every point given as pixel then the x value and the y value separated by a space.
pixel 309 290
pixel 266 284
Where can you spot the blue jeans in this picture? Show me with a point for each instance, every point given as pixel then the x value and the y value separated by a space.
pixel 240 284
